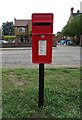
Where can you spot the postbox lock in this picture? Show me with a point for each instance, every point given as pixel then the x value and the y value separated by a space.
pixel 42 36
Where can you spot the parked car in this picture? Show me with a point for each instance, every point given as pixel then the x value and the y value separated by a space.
pixel 2 41
pixel 63 42
pixel 69 42
pixel 66 42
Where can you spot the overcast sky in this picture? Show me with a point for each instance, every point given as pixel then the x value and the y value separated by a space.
pixel 22 9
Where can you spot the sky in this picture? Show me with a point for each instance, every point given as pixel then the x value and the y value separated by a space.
pixel 23 9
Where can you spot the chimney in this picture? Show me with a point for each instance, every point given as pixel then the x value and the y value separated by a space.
pixel 14 20
pixel 72 10
pixel 78 11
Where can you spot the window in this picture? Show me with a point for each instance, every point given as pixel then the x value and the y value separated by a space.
pixel 21 29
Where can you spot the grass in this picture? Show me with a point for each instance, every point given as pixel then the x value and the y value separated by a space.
pixel 20 93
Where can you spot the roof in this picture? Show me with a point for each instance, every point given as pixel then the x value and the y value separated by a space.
pixel 21 23
pixel 75 14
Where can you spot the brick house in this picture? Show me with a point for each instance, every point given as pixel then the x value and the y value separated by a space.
pixel 22 30
pixel 72 14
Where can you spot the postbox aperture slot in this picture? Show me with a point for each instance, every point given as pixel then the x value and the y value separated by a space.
pixel 42 23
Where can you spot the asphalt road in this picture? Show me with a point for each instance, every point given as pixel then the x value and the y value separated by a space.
pixel 67 56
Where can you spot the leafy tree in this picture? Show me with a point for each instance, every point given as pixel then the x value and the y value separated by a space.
pixel 74 27
pixel 81 24
pixel 8 28
pixel 58 32
pixel 65 30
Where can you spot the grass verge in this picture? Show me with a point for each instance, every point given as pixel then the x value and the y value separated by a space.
pixel 20 93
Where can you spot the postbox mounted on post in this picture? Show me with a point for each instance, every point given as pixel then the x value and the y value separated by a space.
pixel 42 35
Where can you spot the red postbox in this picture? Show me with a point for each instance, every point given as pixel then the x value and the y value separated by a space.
pixel 42 36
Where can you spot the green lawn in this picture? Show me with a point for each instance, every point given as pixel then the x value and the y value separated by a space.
pixel 20 93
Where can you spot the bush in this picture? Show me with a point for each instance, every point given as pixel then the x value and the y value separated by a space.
pixel 10 38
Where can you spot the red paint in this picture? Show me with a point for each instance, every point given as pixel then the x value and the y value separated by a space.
pixel 42 24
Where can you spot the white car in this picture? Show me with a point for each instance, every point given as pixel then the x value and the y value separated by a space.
pixel 3 41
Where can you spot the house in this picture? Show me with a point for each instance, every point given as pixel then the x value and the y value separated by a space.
pixel 72 14
pixel 22 30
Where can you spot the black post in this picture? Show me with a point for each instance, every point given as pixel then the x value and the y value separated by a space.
pixel 41 84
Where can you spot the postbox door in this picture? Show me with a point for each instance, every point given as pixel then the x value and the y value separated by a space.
pixel 42 48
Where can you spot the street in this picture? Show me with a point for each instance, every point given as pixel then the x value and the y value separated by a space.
pixel 67 56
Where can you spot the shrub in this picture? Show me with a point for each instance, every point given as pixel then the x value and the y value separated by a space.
pixel 10 38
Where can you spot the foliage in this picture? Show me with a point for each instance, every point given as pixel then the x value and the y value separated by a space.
pixel 58 32
pixel 65 30
pixel 74 27
pixel 20 93
pixel 81 24
pixel 10 38
pixel 8 28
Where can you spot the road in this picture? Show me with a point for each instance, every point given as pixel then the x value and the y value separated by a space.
pixel 62 56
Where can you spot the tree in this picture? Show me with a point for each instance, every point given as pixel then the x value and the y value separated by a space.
pixel 73 28
pixel 65 30
pixel 81 24
pixel 58 32
pixel 8 28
